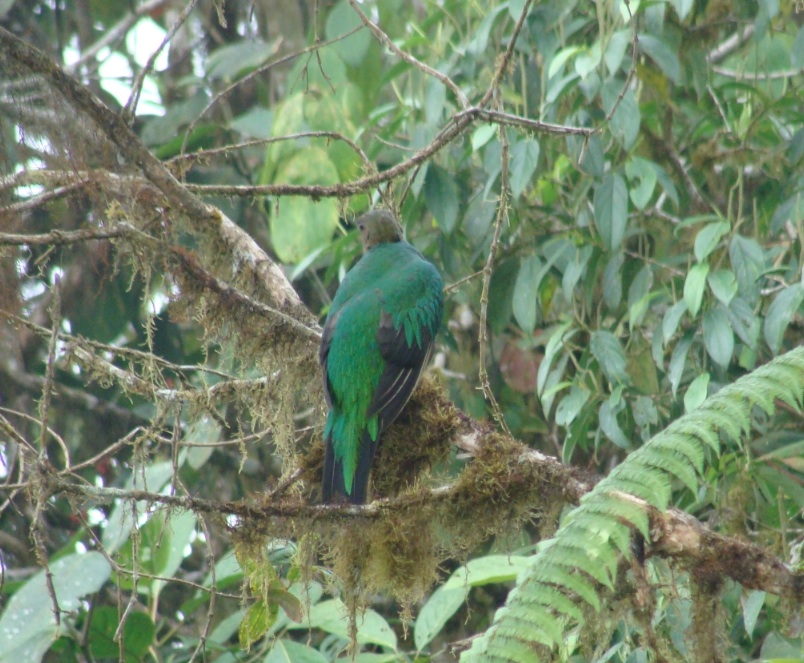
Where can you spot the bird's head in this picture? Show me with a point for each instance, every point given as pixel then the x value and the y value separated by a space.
pixel 379 226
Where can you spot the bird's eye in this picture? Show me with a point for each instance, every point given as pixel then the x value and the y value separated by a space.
pixel 361 226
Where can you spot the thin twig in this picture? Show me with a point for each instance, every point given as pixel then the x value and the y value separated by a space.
pixel 135 577
pixel 758 75
pixel 502 216
pixel 330 135
pixel 41 199
pixel 628 78
pixel 726 48
pixel 117 31
pixel 259 71
pixel 61 237
pixel 22 415
pixel 213 592
pixel 386 41
pixel 452 287
pixel 44 404
pixel 136 89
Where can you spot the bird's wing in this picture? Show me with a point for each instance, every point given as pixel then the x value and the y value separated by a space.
pixel 323 354
pixel 405 359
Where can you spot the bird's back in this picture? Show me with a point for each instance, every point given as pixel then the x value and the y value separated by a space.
pixel 391 282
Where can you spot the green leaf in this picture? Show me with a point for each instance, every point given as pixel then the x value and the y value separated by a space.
pixel 571 405
pixel 639 296
pixel 641 367
pixel 435 101
pixel 662 54
pixel 694 287
pixel 744 322
pixel 672 317
pixel 331 616
pixel 781 311
pixel 255 624
pixel 575 269
pixel 287 651
pixel 613 280
pixel 138 634
pixel 644 173
pixel 696 393
pixel 677 360
pixel 626 119
pixel 615 50
pixel 442 604
pixel 526 293
pixel 202 434
pixel 554 344
pixel 27 626
pixel 588 59
pixel 299 226
pixel 164 129
pixel 560 59
pixel 682 7
pixel 708 237
pixel 723 285
pixel 121 520
pixel 609 354
pixel 487 569
pixel 342 20
pixel 751 604
pixel 254 123
pixel 747 260
pixel 611 210
pixel 482 135
pixel 232 61
pixel 329 112
pixel 178 532
pixel 524 158
pixel 441 197
pixel 718 336
pixel 610 426
pixel 481 35
pixel 797 50
pixel 288 119
pixel 778 649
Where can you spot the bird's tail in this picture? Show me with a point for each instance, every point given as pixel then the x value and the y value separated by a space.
pixel 333 484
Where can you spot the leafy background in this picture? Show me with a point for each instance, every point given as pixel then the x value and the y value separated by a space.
pixel 625 270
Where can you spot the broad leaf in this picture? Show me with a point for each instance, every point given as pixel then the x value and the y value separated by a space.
pixel 27 625
pixel 611 210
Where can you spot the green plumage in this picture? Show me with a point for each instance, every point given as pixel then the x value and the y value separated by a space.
pixel 377 340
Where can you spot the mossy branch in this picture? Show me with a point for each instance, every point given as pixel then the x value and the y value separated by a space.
pixel 585 551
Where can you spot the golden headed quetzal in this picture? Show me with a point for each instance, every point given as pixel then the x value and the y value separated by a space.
pixel 377 339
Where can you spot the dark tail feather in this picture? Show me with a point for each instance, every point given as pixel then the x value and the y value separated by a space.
pixel 333 486
pixel 332 479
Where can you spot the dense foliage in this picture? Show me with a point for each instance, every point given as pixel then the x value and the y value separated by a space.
pixel 612 191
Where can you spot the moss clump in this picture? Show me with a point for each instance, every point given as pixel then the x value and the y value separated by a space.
pixel 419 439
pixel 707 641
pixel 500 492
pixel 396 554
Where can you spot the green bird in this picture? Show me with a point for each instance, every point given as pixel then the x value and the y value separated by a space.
pixel 377 339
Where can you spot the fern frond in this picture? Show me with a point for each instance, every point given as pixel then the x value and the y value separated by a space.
pixel 547 597
pixel 641 480
pixel 553 598
pixel 673 463
pixel 551 572
pixel 614 505
pixel 683 446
